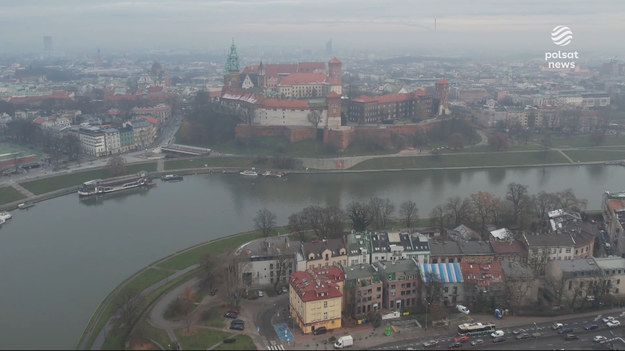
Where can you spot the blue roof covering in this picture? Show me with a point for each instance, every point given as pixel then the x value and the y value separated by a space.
pixel 442 272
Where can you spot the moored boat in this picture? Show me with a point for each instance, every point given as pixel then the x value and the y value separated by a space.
pixel 171 177
pixel 99 187
pixel 249 172
pixel 25 205
pixel 4 215
pixel 2 221
pixel 272 174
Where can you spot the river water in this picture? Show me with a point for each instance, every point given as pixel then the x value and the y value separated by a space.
pixel 59 259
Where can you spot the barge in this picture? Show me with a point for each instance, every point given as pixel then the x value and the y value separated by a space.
pixel 171 178
pixel 100 187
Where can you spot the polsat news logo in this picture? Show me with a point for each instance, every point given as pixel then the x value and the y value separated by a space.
pixel 561 36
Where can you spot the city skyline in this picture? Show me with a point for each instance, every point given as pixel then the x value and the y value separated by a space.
pixel 482 27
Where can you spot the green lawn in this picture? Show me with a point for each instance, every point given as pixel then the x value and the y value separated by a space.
pixel 9 194
pixel 242 162
pixel 147 278
pixel 595 155
pixel 582 141
pixel 45 185
pixel 243 342
pixel 201 339
pixel 194 255
pixel 464 160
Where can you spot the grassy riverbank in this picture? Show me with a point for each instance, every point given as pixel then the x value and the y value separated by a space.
pixel 9 194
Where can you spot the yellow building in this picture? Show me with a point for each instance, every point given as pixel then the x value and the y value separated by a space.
pixel 316 298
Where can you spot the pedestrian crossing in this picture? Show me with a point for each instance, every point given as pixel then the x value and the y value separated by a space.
pixel 275 347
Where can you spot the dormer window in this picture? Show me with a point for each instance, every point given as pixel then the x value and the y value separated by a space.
pixel 327 257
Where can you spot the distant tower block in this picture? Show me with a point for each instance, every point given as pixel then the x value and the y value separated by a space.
pixel 329 47
pixel 442 96
pixel 47 43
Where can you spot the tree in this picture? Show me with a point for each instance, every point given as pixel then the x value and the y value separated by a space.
pixel 285 254
pixel 483 206
pixel 544 202
pixel 597 137
pixel 568 200
pixel 381 210
pixel 360 215
pixel 498 142
pixel 420 139
pixel 457 210
pixel 456 141
pixel 314 117
pixel 128 305
pixel 409 212
pixel 265 222
pixel 517 195
pixel 207 277
pixel 437 217
pixel 116 166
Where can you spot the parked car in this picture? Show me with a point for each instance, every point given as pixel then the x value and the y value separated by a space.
pixel 556 326
pixel 522 336
pixel 213 292
pixel 320 330
pixel 455 345
pixel 497 333
pixel 237 324
pixel 461 338
pixel 285 289
pixel 614 323
pixel 570 337
pixel 518 331
pixel 430 343
pixel 278 291
pixel 260 293
pixel 565 330
pixel 231 315
pixel 477 342
pixel 599 338
pixel 232 310
pixel 499 339
pixel 607 319
pixel 591 326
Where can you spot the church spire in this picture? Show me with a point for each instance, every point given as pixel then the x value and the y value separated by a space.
pixel 232 62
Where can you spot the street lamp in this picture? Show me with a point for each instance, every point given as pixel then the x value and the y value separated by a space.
pixel 427 304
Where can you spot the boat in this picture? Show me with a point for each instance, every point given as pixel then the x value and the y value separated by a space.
pixel 171 178
pixel 100 187
pixel 249 172
pixel 25 205
pixel 2 221
pixel 4 215
pixel 273 174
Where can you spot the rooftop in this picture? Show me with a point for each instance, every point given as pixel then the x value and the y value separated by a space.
pixel 441 272
pixel 317 283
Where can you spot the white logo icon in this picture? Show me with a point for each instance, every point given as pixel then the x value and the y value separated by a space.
pixel 561 35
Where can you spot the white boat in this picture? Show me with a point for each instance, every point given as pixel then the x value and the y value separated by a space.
pixel 272 174
pixel 249 172
pixel 2 221
pixel 25 205
pixel 4 215
pixel 98 187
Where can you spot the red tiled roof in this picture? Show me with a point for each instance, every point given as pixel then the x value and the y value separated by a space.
pixel 303 78
pixel 275 103
pixel 482 274
pixel 317 283
pixel 307 67
pixel 335 60
pixel 616 204
pixel 272 70
pixel 443 81
pixel 333 94
pixel 421 92
pixel 149 119
pixel 364 98
pixel 393 98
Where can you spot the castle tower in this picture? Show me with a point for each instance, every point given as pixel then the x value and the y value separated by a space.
pixel 262 79
pixel 333 101
pixel 442 96
pixel 334 76
pixel 231 71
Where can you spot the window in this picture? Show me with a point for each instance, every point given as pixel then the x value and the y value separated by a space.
pixel 325 315
pixel 618 281
pixel 325 304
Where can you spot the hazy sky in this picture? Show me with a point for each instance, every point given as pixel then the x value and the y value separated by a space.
pixel 486 26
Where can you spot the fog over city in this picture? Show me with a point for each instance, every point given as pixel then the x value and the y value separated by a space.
pixel 485 27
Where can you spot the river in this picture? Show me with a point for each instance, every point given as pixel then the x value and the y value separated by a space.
pixel 59 259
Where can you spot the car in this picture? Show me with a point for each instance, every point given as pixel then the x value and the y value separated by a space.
pixel 614 323
pixel 477 342
pixel 461 338
pixel 607 319
pixel 497 333
pixel 556 326
pixel 237 327
pixel 499 339
pixel 455 345
pixel 260 293
pixel 213 292
pixel 571 337
pixel 229 340
pixel 522 336
pixel 285 289
pixel 599 338
pixel 279 292
pixel 231 315
pixel 320 330
pixel 430 343
pixel 237 321
pixel 591 326
pixel 518 331
pixel 565 330
pixel 232 310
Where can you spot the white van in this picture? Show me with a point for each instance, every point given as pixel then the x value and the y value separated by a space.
pixel 344 341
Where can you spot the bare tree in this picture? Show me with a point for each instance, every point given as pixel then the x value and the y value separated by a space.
pixel 265 222
pixel 116 166
pixel 285 257
pixel 360 215
pixel 483 206
pixel 544 202
pixel 381 210
pixel 568 200
pixel 324 221
pixel 208 276
pixel 458 210
pixel 517 194
pixel 437 217
pixel 233 270
pixel 314 117
pixel 128 304
pixel 409 212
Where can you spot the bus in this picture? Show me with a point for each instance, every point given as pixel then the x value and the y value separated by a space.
pixel 475 328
